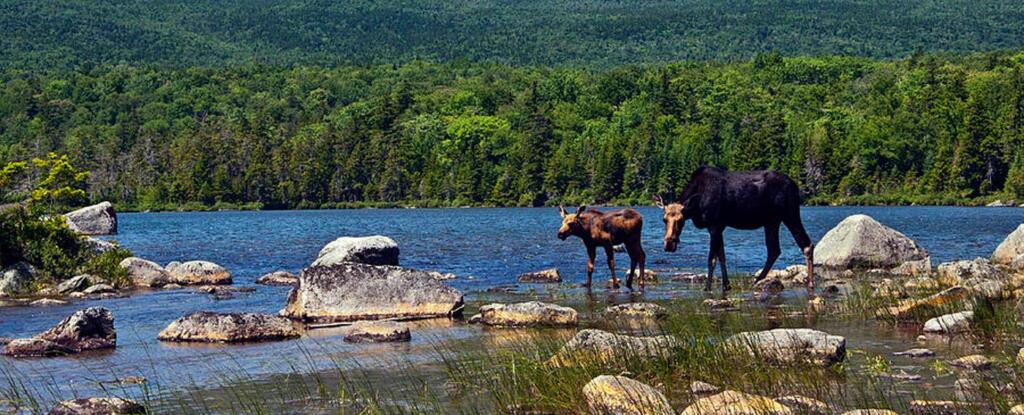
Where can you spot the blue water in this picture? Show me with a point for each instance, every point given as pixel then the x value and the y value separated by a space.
pixel 483 247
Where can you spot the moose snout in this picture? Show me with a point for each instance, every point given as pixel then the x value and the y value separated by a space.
pixel 671 245
pixel 562 235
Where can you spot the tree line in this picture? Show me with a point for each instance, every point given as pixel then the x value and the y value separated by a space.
pixel 926 129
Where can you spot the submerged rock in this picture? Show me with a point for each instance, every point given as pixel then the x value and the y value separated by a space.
pixel 278 278
pixel 954 273
pixel 351 292
pixel 619 395
pixel 88 329
pixel 591 344
pixel 378 332
pixel 198 273
pixel 98 406
pixel 1010 248
pixel 915 353
pixel 733 403
pixel 371 250
pixel 792 345
pixel 649 311
pixel 17 279
pixel 528 314
pixel 972 362
pixel 862 242
pixel 228 328
pixel 98 219
pixel 910 308
pixel 547 276
pixel 145 273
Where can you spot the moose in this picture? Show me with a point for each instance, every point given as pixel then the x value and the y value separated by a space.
pixel 715 199
pixel 597 228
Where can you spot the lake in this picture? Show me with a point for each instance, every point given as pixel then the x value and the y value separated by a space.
pixel 483 247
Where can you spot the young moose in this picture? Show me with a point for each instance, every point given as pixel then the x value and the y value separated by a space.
pixel 607 230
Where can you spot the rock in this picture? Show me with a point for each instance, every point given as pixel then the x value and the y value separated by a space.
pixel 99 219
pixel 378 332
pixel 619 395
pixel 46 302
pixel 73 284
pixel 77 295
pixel 805 405
pixel 172 286
pixel 723 304
pixel 861 242
pixel 99 246
pixel 887 288
pixel 351 292
pixel 1016 410
pixel 443 276
pixel 915 353
pixel 769 286
pixel 913 268
pixel 950 323
pixel 870 412
pixel 88 329
pixel 17 279
pixel 47 292
pixel 792 345
pixel 99 289
pixel 735 403
pixel 228 328
pixel 649 311
pixel 954 273
pixel 688 277
pixel 1000 203
pixel 905 377
pixel 967 390
pixel 1010 248
pixel 1017 264
pixel 986 288
pixel 972 362
pixel 198 273
pixel 547 276
pixel 591 344
pixel 371 250
pixel 910 308
pixel 703 388
pixel 278 278
pixel 921 284
pixel 97 406
pixel 921 407
pixel 528 314
pixel 145 273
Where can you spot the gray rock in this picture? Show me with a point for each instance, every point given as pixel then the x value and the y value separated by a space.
pixel 915 353
pixel 528 314
pixel 1018 263
pixel 649 311
pixel 620 395
pixel 99 219
pixel 378 332
pixel 923 407
pixel 736 403
pixel 805 405
pixel 47 302
pixel 1000 203
pixel 967 390
pixel 99 246
pixel 986 288
pixel 88 329
pixel 278 278
pixel 792 345
pixel 1010 248
pixel 17 279
pixel 228 328
pixel 591 344
pixel 769 286
pixel 145 273
pixel 972 362
pixel 954 273
pixel 547 276
pixel 99 289
pixel 371 250
pixel 73 284
pixel 98 406
pixel 198 273
pixel 703 388
pixel 861 242
pixel 352 292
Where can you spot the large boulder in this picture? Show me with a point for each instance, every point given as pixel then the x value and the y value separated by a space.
pixel 950 323
pixel 198 273
pixel 372 250
pixel 619 395
pixel 351 292
pixel 228 328
pixel 145 273
pixel 1010 248
pixel 99 219
pixel 378 332
pixel 792 345
pixel 528 314
pixel 736 403
pixel 17 279
pixel 599 345
pixel 88 329
pixel 862 242
pixel 953 273
pixel 98 406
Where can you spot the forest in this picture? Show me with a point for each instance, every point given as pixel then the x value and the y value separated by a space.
pixel 59 35
pixel 931 128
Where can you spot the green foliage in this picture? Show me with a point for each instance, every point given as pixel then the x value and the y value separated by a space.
pixel 60 187
pixel 107 265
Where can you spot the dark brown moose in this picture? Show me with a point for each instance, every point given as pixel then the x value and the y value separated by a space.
pixel 606 230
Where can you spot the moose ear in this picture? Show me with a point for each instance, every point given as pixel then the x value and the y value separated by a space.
pixel 561 211
pixel 581 209
pixel 658 201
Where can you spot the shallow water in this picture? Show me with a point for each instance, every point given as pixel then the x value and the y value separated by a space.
pixel 484 247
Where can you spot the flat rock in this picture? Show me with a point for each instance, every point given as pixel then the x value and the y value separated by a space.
pixel 723 304
pixel 99 246
pixel 371 250
pixel 923 407
pixel 928 305
pixel 547 276
pixel 378 332
pixel 98 219
pixel 528 314
pixel 955 272
pixel 792 345
pixel 145 273
pixel 599 345
pixel 88 329
pixel 352 292
pixel 98 406
pixel 972 362
pixel 986 288
pixel 1010 248
pixel 950 323
pixel 648 311
pixel 703 388
pixel 278 278
pixel 860 242
pixel 619 395
pixel 99 289
pixel 805 405
pixel 1016 410
pixel 198 273
pixel 915 353
pixel 77 283
pixel 733 403
pixel 17 279
pixel 228 328
pixel 47 302
pixel 921 283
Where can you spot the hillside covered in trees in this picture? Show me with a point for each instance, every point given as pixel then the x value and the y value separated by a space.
pixel 51 34
pixel 926 129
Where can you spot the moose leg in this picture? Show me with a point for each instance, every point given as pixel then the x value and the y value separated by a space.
pixel 641 260
pixel 771 241
pixel 591 254
pixel 721 260
pixel 712 255
pixel 609 251
pixel 632 268
pixel 796 227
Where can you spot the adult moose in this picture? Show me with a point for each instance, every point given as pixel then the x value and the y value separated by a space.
pixel 596 228
pixel 715 199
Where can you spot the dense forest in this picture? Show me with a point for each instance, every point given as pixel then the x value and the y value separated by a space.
pixel 927 129
pixel 52 34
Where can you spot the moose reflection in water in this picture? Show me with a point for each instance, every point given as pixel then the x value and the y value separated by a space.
pixel 597 228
